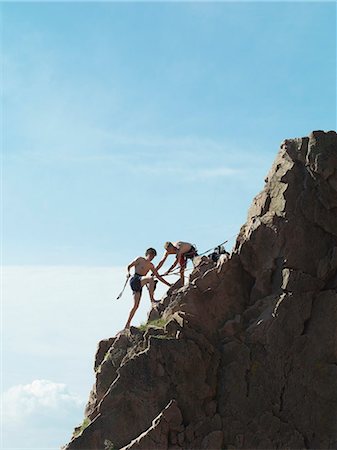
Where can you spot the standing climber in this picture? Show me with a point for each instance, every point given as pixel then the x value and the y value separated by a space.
pixel 139 280
pixel 183 251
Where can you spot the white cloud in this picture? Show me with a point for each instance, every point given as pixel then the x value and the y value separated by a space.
pixel 41 414
pixel 216 172
pixel 99 144
pixel 41 397
pixel 187 173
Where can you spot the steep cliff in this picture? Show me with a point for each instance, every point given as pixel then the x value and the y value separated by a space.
pixel 245 355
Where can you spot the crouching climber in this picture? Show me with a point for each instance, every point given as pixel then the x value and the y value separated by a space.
pixel 139 279
pixel 183 251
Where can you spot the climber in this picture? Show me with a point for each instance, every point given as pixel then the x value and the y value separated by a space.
pixel 138 280
pixel 183 250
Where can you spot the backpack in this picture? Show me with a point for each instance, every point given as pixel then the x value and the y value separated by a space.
pixel 220 250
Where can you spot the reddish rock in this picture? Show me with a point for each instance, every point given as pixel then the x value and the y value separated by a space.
pixel 249 350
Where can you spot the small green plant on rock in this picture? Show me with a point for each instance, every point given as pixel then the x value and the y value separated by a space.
pixel 107 357
pixel 79 430
pixel 158 323
pixel 163 336
pixel 108 445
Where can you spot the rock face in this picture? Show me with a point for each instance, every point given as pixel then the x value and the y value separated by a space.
pixel 247 358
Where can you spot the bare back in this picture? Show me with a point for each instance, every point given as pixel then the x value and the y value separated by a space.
pixel 183 247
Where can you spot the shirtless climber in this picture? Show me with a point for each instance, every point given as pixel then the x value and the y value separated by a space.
pixel 182 250
pixel 139 280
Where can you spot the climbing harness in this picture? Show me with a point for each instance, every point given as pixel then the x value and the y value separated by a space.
pixel 191 253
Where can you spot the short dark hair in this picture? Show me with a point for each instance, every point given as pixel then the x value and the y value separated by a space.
pixel 151 251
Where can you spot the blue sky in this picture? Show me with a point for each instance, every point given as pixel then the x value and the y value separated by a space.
pixel 126 125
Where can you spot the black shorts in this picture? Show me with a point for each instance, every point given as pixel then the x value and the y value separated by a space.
pixel 136 283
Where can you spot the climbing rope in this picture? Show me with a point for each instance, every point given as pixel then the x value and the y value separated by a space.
pixel 121 293
pixel 212 248
pixel 219 245
pixel 176 271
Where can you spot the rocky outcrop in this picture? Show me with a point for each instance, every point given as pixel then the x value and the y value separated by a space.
pixel 245 356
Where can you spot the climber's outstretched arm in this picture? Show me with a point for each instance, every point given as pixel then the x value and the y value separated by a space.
pixel 155 272
pixel 173 265
pixel 162 261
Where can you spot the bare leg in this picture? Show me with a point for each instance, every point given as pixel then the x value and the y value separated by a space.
pixel 136 298
pixel 183 263
pixel 182 277
pixel 150 282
